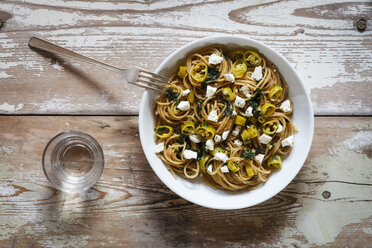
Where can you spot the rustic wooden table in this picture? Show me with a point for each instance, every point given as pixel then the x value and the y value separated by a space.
pixel 327 204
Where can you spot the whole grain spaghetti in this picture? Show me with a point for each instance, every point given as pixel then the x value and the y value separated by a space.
pixel 225 117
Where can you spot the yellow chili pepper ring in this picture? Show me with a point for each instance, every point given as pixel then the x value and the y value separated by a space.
pixel 205 132
pixel 188 128
pixel 270 127
pixel 199 72
pixel 163 132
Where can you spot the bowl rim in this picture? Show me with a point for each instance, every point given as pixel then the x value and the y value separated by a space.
pixel 255 44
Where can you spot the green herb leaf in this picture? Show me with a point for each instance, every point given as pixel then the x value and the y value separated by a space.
pixel 200 106
pixel 248 154
pixel 212 74
pixel 201 151
pixel 171 95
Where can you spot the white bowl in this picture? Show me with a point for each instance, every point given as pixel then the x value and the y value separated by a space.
pixel 197 191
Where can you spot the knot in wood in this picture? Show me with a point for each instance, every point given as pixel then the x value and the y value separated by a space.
pixel 326 194
pixel 361 25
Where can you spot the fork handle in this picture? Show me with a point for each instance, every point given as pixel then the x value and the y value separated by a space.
pixel 50 47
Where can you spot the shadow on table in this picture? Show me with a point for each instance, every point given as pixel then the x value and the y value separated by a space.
pixel 190 225
pixel 79 74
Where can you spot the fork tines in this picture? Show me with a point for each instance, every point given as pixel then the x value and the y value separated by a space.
pixel 150 80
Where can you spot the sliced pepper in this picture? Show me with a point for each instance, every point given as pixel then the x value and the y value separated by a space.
pixel 203 162
pixel 236 54
pixel 252 131
pixel 191 96
pixel 188 128
pixel 275 93
pixel 245 137
pixel 233 166
pixel 182 71
pixel 239 68
pixel 205 132
pixel 252 58
pixel 270 127
pixel 274 162
pixel 240 120
pixel 267 109
pixel 163 132
pixel 249 170
pixel 228 94
pixel 219 149
pixel 261 119
pixel 199 72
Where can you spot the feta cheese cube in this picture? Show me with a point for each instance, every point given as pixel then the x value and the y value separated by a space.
pixel 214 59
pixel 159 147
pixel 229 77
pixel 288 141
pixel 234 113
pixel 236 131
pixel 264 139
pixel 225 169
pixel 209 145
pixel 210 169
pixel 259 158
pixel 239 102
pixel 194 138
pixel 257 74
pixel 245 91
pixel 217 138
pixel 210 91
pixel 221 157
pixel 185 92
pixel 286 106
pixel 213 116
pixel 184 105
pixel 248 112
pixel 225 134
pixel 280 129
pixel 238 143
pixel 189 154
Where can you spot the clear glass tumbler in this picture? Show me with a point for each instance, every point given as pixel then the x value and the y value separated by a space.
pixel 73 161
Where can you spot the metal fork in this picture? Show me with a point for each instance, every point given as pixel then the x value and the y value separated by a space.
pixel 134 75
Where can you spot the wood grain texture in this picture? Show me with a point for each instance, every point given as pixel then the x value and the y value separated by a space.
pixel 318 38
pixel 328 203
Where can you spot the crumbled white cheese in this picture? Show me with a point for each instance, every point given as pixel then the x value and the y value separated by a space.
pixel 259 158
pixel 246 91
pixel 221 157
pixel 286 106
pixel 210 91
pixel 288 141
pixel 257 74
pixel 209 145
pixel 189 154
pixel 274 70
pixel 236 131
pixel 159 147
pixel 217 138
pixel 239 102
pixel 264 139
pixel 225 134
pixel 184 105
pixel 213 116
pixel 210 168
pixel 229 77
pixel 214 59
pixel 248 112
pixel 185 92
pixel 194 138
pixel 238 143
pixel 280 129
pixel 225 169
pixel 234 113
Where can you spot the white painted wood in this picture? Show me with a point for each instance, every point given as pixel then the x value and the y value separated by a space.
pixel 319 40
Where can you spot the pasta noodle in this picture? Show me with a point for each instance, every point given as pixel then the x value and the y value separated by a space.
pixel 226 118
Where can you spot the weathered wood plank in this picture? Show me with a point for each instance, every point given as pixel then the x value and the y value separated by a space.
pixel 319 39
pixel 327 203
